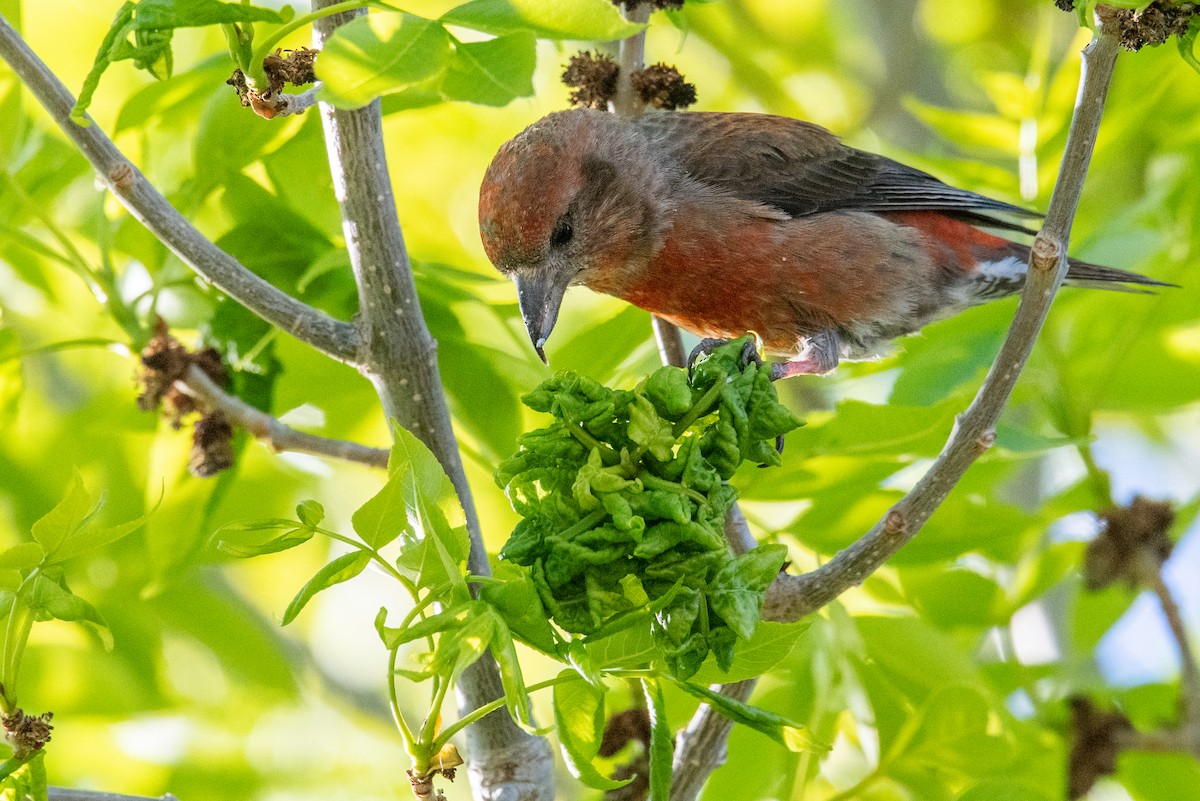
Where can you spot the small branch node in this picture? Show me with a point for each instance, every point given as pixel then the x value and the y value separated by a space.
pixel 984 442
pixel 121 176
pixel 895 524
pixel 1046 253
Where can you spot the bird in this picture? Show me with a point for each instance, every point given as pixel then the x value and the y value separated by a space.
pixel 727 223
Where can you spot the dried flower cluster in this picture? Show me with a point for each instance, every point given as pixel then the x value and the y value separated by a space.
pixel 594 79
pixel 164 363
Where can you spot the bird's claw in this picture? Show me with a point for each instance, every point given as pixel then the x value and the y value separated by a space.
pixel 707 345
pixel 704 347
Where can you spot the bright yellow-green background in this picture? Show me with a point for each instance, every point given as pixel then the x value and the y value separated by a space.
pixel 205 697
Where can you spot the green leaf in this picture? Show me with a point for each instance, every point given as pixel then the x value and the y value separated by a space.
pixel 64 519
pixel 23 556
pixel 198 13
pixel 787 733
pixel 504 651
pixel 579 723
pixel 1187 44
pixel 92 538
pixel 562 19
pixel 428 563
pixel 310 513
pixel 632 646
pixel 1004 790
pixel 737 591
pixel 344 568
pixel 461 646
pixel 384 516
pixel 973 131
pixel 494 72
pixel 662 742
pixel 866 429
pixel 151 23
pixel 257 525
pixel 951 730
pixel 274 545
pixel 449 619
pixel 10 582
pixel 378 54
pixel 516 599
pixel 649 430
pixel 36 784
pixel 770 645
pixel 50 598
pixel 438 558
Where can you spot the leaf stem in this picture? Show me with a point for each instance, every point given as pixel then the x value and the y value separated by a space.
pixel 607 455
pixel 485 710
pixel 16 635
pixel 376 556
pixel 254 70
pixel 654 482
pixel 410 743
pixel 429 729
pixel 590 521
pixel 700 407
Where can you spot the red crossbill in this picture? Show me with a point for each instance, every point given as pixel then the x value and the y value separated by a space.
pixel 728 223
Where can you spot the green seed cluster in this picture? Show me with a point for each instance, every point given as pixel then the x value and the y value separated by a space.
pixel 624 498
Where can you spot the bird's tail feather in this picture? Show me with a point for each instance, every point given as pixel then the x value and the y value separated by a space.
pixel 1097 276
pixel 1082 273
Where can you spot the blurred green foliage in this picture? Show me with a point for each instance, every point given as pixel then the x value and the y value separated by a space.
pixel 920 679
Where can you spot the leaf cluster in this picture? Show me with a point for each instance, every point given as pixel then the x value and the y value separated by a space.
pixel 624 499
pixel 142 32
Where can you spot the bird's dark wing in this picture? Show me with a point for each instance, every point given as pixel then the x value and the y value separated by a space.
pixel 801 168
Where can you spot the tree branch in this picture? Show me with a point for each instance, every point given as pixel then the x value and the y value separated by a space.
pixel 701 747
pixel 400 359
pixel 279 436
pixel 144 202
pixel 793 597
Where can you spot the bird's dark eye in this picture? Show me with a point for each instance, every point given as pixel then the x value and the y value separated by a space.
pixel 562 232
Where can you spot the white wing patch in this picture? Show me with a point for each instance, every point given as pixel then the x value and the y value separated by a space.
pixel 990 280
pixel 1009 270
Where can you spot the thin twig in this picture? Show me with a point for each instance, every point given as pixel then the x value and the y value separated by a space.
pixel 1150 573
pixel 144 202
pixel 1160 741
pixel 400 359
pixel 269 429
pixel 70 794
pixel 669 340
pixel 297 103
pixel 632 59
pixel 793 597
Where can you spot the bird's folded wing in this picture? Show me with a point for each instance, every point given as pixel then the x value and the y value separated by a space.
pixel 801 169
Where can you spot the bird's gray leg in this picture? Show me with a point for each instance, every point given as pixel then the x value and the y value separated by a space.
pixel 820 356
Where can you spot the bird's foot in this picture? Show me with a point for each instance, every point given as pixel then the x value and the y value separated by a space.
pixel 707 345
pixel 781 370
pixel 819 357
pixel 749 355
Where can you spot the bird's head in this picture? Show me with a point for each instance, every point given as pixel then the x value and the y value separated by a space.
pixel 573 199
